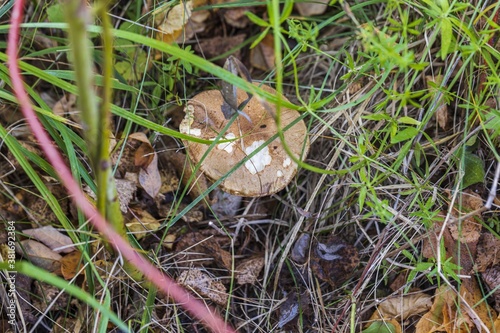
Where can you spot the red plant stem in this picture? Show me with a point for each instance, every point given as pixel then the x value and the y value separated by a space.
pixel 196 307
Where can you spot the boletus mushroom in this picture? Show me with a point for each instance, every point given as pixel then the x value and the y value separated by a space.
pixel 269 170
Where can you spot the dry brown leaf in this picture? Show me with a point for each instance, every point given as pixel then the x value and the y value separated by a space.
pixel 198 247
pixel 144 155
pixel 311 8
pixel 150 178
pixel 40 255
pixel 262 56
pixel 488 252
pixel 125 189
pixel 481 312
pixel 104 268
pixel 196 24
pixel 65 324
pixel 492 279
pixel 217 45
pixel 433 320
pixel 174 20
pixel 248 270
pixel 442 113
pixel 71 264
pixel 65 105
pixel 467 230
pixel 168 241
pixel 204 285
pixel 142 224
pixel 236 17
pixel 50 297
pixel 449 314
pixel 54 239
pixel 403 307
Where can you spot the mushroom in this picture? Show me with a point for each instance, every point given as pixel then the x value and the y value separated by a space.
pixel 270 169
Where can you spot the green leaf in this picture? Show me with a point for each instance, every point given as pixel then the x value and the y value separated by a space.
pixel 380 327
pixel 260 38
pixel 287 10
pixel 473 169
pixel 419 66
pixel 377 117
pixel 444 5
pixel 257 20
pixel 55 13
pixel 493 123
pixel 408 121
pixel 406 134
pixel 446 36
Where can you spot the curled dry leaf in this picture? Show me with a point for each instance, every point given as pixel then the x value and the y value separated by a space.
pixel 40 255
pixel 168 241
pixel 449 314
pixel 65 105
pixel 126 159
pixel 71 264
pixel 311 8
pixel 198 249
pixel 403 307
pixel 150 178
pixel 262 56
pixel 204 285
pixel 144 155
pixel 248 270
pixel 54 239
pixel 142 223
pixel 333 261
pixel 172 21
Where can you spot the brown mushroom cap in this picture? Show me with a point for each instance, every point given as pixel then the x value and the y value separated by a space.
pixel 267 172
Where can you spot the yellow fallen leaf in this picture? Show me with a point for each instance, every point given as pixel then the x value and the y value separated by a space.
pixel 174 20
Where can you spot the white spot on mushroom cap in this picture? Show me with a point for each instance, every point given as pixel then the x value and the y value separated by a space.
pixel 260 160
pixel 227 146
pixel 287 162
pixel 279 173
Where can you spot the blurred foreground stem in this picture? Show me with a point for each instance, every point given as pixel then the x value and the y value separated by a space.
pixel 96 121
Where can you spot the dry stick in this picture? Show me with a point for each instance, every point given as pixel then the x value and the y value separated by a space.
pixel 197 308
